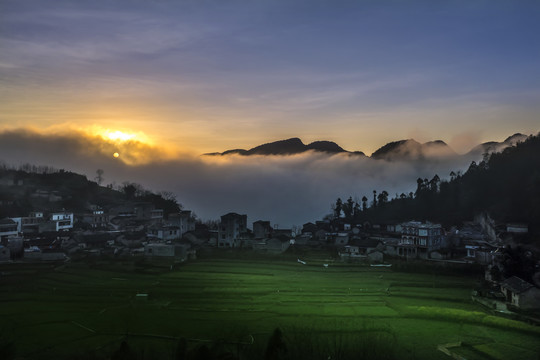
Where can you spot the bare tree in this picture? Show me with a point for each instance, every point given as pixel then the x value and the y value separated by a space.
pixel 99 176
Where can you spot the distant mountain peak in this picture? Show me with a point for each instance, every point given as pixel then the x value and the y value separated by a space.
pixel 411 149
pixel 289 147
pixel 517 137
pixel 325 146
pixel 494 146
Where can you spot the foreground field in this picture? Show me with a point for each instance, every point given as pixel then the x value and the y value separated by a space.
pixel 83 311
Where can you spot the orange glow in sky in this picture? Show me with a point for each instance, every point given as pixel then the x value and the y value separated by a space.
pixel 119 135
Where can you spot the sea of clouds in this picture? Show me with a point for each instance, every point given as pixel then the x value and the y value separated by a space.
pixel 286 190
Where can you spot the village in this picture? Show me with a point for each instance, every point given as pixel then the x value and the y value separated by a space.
pixel 140 230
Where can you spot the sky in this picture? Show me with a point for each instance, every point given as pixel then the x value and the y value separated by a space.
pixel 182 78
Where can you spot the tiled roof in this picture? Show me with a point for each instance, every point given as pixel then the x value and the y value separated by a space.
pixel 516 285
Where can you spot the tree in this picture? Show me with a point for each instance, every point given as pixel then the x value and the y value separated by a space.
pixel 356 211
pixel 348 209
pixel 434 183
pixel 364 203
pixel 129 190
pixel 383 197
pixel 338 207
pixel 99 176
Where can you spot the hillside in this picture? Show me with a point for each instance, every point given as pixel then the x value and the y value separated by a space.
pixel 23 191
pixel 494 146
pixel 507 186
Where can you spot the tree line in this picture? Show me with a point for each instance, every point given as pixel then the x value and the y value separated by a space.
pixel 505 184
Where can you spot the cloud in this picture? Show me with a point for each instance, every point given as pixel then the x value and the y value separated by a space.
pixel 287 190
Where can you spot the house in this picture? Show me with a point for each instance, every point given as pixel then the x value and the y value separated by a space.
pixel 29 224
pixel 320 235
pixel 309 228
pixel 350 251
pixel 131 239
pixel 184 220
pixel 517 228
pixel 302 239
pixel 391 246
pixel 137 210
pixel 156 216
pixel 10 180
pixel 479 251
pixel 393 228
pixel 419 239
pixel 63 221
pixel 376 256
pixel 262 229
pixel 282 232
pixel 341 239
pixel 176 251
pixel 98 219
pixel 368 249
pixel 520 293
pixel 232 229
pixel 93 240
pixel 324 225
pixel 275 245
pixel 164 232
pixel 8 228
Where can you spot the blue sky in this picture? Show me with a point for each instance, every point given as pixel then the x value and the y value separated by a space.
pixel 212 75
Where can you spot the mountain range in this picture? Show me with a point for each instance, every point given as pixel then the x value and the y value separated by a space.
pixel 409 149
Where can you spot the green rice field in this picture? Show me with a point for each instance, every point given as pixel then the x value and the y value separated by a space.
pixel 84 311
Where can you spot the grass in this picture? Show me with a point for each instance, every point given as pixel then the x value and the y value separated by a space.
pixel 76 308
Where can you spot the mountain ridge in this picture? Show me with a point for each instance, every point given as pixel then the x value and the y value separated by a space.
pixel 407 149
pixel 289 146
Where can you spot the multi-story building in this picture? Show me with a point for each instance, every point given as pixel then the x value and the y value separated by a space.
pixel 63 220
pixel 262 229
pixel 184 220
pixel 29 224
pixel 419 239
pixel 97 219
pixel 233 226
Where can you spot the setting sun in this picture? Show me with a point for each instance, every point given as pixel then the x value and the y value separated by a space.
pixel 118 135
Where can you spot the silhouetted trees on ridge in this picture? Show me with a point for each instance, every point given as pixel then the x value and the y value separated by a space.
pixel 505 184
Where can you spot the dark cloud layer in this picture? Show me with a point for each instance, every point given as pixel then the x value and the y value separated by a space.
pixel 287 190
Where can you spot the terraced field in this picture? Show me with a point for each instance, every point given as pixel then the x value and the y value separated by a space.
pixel 82 311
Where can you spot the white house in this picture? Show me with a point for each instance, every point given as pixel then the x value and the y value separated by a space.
pixel 184 220
pixel 418 239
pixel 231 229
pixel 63 220
pixel 164 232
